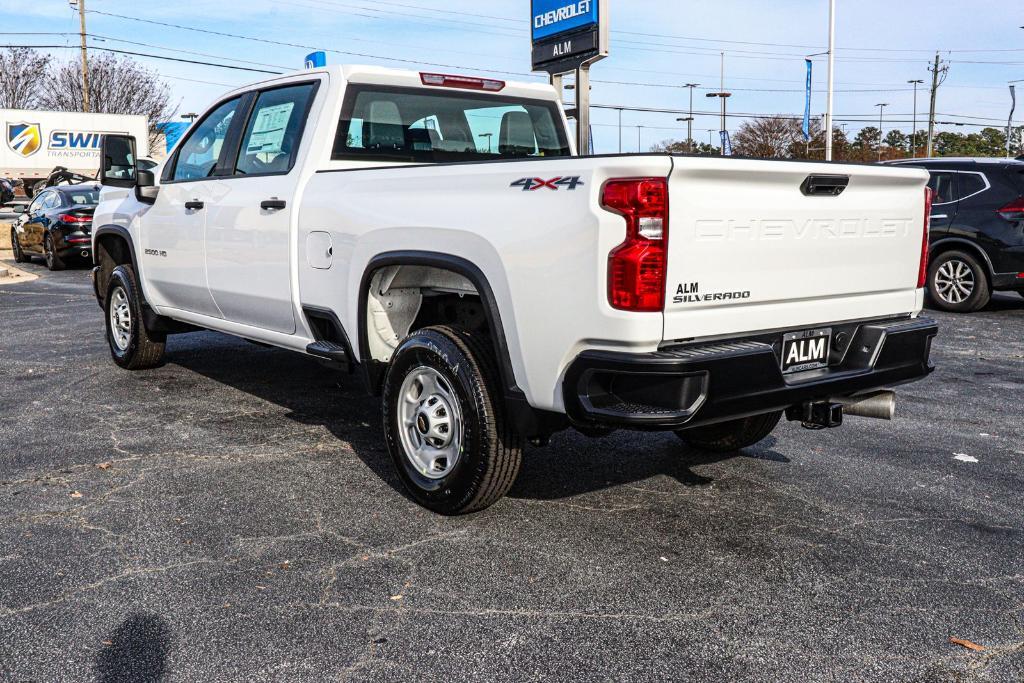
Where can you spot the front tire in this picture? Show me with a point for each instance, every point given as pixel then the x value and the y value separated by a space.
pixel 725 437
pixel 19 255
pixel 53 261
pixel 958 283
pixel 445 422
pixel 132 346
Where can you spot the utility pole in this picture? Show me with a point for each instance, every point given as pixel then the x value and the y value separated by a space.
pixel 831 76
pixel 85 57
pixel 881 108
pixel 938 78
pixel 689 121
pixel 913 132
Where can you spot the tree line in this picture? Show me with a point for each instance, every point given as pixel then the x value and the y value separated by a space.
pixel 781 137
pixel 117 85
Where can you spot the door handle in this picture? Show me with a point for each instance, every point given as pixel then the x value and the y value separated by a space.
pixel 273 204
pixel 194 206
pixel 939 215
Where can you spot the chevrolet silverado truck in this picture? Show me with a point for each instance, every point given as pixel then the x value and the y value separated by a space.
pixel 437 235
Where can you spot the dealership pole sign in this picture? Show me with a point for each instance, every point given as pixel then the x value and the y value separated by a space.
pixel 568 34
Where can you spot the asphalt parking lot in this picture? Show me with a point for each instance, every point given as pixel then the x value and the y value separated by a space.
pixel 233 516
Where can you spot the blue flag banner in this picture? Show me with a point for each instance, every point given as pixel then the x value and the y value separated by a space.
pixel 726 143
pixel 807 105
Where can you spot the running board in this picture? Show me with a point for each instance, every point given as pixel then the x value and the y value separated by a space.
pixel 329 351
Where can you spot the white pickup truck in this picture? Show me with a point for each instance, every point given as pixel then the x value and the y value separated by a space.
pixel 437 235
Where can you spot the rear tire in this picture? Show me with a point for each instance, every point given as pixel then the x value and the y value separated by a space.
pixel 958 283
pixel 53 261
pixel 725 437
pixel 19 255
pixel 445 421
pixel 132 346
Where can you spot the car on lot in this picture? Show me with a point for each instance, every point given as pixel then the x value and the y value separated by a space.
pixel 56 225
pixel 977 230
pixel 494 294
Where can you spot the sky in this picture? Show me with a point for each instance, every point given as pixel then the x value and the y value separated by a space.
pixel 657 46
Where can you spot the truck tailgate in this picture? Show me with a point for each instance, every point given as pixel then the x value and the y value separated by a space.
pixel 749 250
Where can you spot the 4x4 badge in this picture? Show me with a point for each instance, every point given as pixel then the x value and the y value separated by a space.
pixel 531 184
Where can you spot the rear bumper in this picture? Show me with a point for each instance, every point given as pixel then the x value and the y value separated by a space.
pixel 704 383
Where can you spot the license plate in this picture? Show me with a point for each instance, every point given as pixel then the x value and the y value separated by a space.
pixel 806 350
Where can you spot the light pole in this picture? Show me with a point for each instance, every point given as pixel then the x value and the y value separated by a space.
pixel 689 132
pixel 190 117
pixel 722 95
pixel 913 144
pixel 489 136
pixel 689 121
pixel 620 130
pixel 1013 107
pixel 639 148
pixel 711 138
pixel 881 108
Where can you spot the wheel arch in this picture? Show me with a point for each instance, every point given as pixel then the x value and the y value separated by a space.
pixel 953 243
pixel 456 264
pixel 113 247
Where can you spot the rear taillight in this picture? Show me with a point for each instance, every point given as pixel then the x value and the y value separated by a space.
pixel 72 218
pixel 463 82
pixel 922 271
pixel 1014 211
pixel 636 268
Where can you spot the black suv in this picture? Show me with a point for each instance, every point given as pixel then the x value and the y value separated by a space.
pixel 977 233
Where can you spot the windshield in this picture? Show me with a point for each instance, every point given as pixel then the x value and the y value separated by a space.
pixel 408 124
pixel 82 197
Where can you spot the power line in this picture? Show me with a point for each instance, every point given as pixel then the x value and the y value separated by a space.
pixel 143 54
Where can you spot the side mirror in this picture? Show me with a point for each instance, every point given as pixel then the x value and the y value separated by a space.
pixel 146 188
pixel 118 161
pixel 21 208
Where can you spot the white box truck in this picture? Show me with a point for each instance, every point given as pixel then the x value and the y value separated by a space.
pixel 35 142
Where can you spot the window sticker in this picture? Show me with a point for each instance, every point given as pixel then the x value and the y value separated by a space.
pixel 269 128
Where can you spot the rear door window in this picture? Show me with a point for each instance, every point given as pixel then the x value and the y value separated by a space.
pixel 943 184
pixel 414 125
pixel 271 140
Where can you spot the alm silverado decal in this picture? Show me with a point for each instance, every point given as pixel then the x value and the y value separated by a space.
pixel 531 184
pixel 690 294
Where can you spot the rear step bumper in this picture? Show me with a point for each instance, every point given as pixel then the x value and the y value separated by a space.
pixel 699 384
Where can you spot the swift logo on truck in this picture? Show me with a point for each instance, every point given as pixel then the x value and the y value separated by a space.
pixel 24 138
pixel 532 184
pixel 70 139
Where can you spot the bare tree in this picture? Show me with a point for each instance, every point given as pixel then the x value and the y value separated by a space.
pixel 21 75
pixel 771 138
pixel 117 85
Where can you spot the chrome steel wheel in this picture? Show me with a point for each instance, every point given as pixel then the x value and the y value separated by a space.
pixel 120 318
pixel 954 281
pixel 430 419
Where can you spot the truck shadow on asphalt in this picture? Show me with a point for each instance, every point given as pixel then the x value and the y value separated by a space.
pixel 570 465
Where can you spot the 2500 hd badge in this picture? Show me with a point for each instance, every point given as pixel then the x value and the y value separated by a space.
pixel 690 294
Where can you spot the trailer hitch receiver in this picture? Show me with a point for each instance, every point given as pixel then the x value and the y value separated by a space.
pixel 816 414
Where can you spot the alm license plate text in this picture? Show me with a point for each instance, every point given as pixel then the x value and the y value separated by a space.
pixel 806 350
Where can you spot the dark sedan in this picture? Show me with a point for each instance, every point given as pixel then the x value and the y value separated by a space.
pixel 57 226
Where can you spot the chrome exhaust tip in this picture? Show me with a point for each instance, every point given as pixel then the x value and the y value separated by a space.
pixel 879 405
